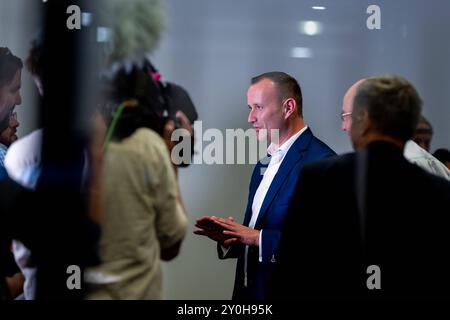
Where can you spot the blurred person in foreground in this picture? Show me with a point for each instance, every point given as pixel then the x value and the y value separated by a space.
pixel 144 219
pixel 10 85
pixel 23 163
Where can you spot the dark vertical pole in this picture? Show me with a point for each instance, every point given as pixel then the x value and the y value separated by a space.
pixel 61 230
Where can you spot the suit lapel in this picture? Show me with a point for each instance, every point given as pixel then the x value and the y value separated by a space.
pixel 256 180
pixel 293 156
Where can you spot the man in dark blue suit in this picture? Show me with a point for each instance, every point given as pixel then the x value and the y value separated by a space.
pixel 275 103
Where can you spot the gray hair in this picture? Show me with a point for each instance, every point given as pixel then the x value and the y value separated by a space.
pixel 392 103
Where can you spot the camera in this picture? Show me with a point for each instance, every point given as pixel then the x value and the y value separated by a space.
pixel 156 101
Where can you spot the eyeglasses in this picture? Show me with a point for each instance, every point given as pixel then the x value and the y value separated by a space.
pixel 344 115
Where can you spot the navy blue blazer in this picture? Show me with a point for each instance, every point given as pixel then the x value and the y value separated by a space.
pixel 306 149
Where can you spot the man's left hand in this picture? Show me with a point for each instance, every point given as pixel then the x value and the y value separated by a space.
pixel 239 232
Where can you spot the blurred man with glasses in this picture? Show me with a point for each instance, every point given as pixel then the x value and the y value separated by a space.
pixel 10 83
pixel 368 224
pixel 414 151
pixel 11 280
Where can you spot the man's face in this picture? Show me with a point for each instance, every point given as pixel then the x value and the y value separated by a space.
pixel 10 96
pixel 423 136
pixel 266 110
pixel 347 107
pixel 346 114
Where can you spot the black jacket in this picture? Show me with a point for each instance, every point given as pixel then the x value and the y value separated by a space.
pixel 389 213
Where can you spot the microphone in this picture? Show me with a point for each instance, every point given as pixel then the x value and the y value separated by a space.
pixel 136 27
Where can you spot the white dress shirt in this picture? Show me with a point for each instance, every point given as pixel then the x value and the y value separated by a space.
pixel 277 154
pixel 3 150
pixel 415 154
pixel 23 164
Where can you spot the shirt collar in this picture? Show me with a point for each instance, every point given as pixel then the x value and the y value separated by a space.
pixel 284 148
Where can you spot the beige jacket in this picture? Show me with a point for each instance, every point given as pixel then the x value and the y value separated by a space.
pixel 142 216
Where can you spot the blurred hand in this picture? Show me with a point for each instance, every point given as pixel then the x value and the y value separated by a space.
pixel 15 284
pixel 208 226
pixel 238 232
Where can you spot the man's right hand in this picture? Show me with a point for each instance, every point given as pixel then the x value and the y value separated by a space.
pixel 207 226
